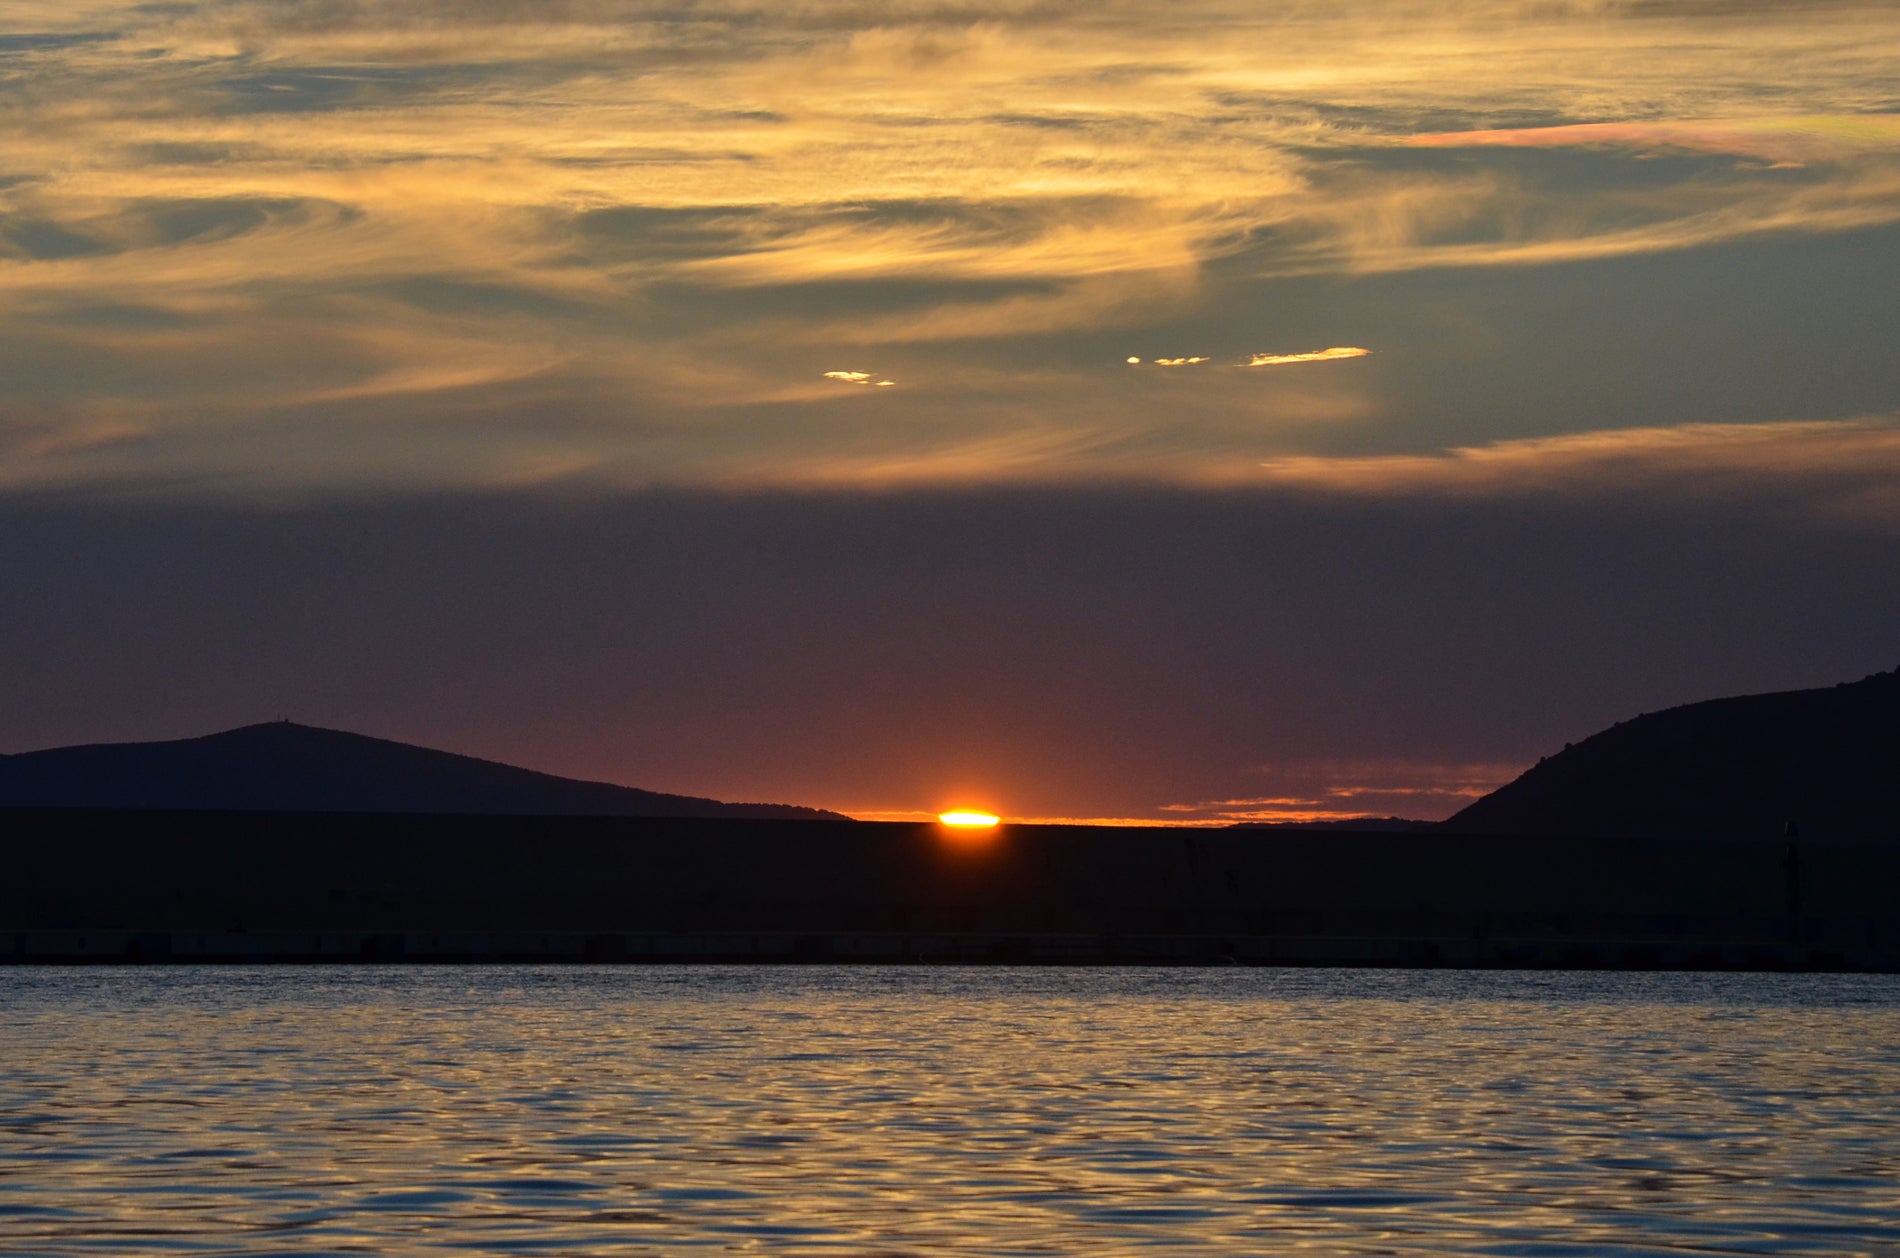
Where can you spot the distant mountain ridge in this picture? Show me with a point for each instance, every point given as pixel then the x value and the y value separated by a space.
pixel 1827 760
pixel 285 767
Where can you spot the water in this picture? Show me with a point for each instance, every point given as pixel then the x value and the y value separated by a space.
pixel 887 1111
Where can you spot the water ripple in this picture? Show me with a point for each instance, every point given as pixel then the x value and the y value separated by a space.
pixel 411 1111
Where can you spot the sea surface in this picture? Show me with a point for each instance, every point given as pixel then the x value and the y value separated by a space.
pixel 702 1110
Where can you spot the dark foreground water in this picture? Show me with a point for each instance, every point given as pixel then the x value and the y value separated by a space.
pixel 884 1111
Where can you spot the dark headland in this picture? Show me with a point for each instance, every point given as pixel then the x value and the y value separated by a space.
pixel 285 767
pixel 1827 761
pixel 1664 842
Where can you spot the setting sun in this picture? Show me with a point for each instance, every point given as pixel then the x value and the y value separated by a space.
pixel 964 817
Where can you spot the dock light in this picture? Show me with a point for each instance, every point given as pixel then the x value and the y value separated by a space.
pixel 968 819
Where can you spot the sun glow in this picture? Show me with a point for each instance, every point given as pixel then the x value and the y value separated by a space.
pixel 968 819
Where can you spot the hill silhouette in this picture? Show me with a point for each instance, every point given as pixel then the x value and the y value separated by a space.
pixel 285 767
pixel 1827 760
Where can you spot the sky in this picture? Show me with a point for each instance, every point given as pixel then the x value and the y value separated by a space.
pixel 1190 412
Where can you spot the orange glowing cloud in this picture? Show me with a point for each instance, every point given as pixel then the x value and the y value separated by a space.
pixel 1350 790
pixel 1310 356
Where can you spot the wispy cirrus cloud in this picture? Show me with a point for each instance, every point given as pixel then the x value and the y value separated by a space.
pixel 214 215
pixel 1848 470
pixel 1776 139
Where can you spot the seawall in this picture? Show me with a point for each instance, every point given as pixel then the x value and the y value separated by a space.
pixel 113 886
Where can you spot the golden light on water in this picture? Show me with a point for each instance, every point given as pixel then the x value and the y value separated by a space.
pixel 860 1055
pixel 968 819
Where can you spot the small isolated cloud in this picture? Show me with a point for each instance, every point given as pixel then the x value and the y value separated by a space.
pixel 860 377
pixel 1179 362
pixel 1310 356
pixel 1355 791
